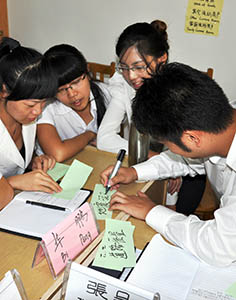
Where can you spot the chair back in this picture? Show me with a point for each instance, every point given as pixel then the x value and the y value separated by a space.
pixel 209 72
pixel 101 71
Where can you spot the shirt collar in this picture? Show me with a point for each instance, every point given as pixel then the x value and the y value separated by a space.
pixel 231 157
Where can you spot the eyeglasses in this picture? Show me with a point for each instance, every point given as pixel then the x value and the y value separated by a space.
pixel 77 83
pixel 137 69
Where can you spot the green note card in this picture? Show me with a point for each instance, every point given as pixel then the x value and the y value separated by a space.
pixel 74 180
pixel 101 202
pixel 231 291
pixel 58 171
pixel 116 250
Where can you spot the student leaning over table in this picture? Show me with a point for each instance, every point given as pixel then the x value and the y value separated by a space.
pixel 196 121
pixel 71 122
pixel 140 48
pixel 26 82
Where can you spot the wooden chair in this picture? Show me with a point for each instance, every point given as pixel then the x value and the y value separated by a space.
pixel 208 204
pixel 209 72
pixel 101 71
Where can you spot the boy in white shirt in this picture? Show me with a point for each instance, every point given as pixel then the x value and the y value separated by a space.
pixel 190 114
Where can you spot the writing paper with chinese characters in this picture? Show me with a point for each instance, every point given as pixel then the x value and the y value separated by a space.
pixel 70 237
pixel 101 202
pixel 116 250
pixel 203 16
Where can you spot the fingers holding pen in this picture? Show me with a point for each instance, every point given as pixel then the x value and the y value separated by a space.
pixel 124 175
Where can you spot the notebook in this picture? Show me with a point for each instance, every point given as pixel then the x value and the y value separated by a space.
pixel 34 213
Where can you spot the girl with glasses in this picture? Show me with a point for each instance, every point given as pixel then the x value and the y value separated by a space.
pixel 26 83
pixel 71 122
pixel 140 48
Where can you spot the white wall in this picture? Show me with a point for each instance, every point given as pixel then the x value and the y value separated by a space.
pixel 94 25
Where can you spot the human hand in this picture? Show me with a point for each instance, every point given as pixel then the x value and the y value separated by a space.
pixel 93 143
pixel 152 153
pixel 36 180
pixel 43 162
pixel 124 175
pixel 174 185
pixel 136 206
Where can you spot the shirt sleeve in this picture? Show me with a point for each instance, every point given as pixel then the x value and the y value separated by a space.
pixel 108 137
pixel 168 165
pixel 212 241
pixel 104 87
pixel 47 116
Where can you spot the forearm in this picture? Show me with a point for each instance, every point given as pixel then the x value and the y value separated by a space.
pixel 211 241
pixel 68 148
pixel 108 138
pixel 166 165
pixel 6 194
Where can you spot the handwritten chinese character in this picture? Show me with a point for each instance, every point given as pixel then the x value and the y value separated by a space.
pixel 80 218
pixel 57 240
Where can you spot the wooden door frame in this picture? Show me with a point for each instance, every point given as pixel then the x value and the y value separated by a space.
pixel 3 19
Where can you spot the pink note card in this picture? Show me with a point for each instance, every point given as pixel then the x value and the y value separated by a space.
pixel 66 240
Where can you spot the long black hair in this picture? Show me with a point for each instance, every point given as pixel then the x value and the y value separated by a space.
pixel 69 63
pixel 25 72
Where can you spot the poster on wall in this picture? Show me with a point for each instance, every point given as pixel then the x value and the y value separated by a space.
pixel 203 16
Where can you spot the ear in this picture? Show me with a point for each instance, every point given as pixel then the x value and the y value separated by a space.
pixel 162 59
pixel 192 138
pixel 3 92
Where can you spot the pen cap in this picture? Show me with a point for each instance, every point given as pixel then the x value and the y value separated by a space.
pixel 121 155
pixel 138 146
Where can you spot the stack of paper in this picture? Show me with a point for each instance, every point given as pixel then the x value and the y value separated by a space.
pixel 177 275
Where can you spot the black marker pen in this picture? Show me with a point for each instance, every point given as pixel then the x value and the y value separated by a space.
pixel 120 158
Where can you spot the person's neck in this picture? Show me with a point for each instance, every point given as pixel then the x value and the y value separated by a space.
pixel 10 123
pixel 86 114
pixel 226 138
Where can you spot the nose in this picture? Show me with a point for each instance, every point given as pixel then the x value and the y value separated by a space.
pixel 132 74
pixel 71 91
pixel 38 108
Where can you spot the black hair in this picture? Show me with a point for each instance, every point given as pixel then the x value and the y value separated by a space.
pixel 149 39
pixel 179 98
pixel 25 72
pixel 69 63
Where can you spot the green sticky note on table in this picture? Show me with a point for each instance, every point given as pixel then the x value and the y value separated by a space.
pixel 74 180
pixel 58 171
pixel 231 291
pixel 116 250
pixel 101 202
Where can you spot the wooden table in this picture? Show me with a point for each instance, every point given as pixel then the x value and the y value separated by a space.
pixel 17 251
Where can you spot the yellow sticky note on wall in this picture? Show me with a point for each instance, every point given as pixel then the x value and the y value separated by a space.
pixel 203 16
